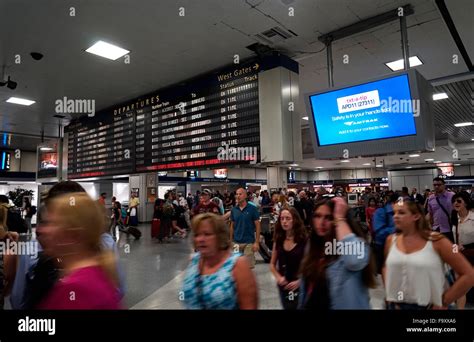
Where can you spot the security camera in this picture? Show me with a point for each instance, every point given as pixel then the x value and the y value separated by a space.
pixel 9 83
pixel 36 56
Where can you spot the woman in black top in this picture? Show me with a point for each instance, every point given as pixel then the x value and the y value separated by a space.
pixel 288 251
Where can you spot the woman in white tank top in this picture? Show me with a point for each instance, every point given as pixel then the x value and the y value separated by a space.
pixel 414 272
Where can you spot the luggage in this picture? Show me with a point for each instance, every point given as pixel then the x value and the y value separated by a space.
pixel 130 230
pixel 135 232
pixel 264 250
pixel 155 228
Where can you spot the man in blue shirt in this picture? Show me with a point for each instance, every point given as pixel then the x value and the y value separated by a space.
pixel 245 227
pixel 383 226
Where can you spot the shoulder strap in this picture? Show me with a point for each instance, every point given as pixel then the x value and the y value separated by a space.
pixel 444 210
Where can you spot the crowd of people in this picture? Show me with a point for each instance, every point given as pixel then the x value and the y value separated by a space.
pixel 326 255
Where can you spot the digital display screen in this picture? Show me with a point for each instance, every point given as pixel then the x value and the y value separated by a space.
pixel 5 161
pixel 376 110
pixel 220 173
pixel 177 128
pixel 47 164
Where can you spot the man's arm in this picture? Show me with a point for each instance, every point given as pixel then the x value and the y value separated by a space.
pixel 256 245
pixel 231 231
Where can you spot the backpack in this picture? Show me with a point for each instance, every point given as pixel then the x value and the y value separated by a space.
pixel 15 222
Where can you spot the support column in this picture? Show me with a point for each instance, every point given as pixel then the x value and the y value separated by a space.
pixel 144 183
pixel 277 177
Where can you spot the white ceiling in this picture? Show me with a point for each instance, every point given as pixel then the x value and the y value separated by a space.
pixel 167 49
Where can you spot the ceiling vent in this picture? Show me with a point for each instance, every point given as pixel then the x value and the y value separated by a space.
pixel 274 35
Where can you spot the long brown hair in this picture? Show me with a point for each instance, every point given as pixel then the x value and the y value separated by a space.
pixel 313 266
pixel 299 232
pixel 3 221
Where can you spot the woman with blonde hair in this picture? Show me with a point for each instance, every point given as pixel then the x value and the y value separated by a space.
pixel 217 278
pixel 71 232
pixel 414 271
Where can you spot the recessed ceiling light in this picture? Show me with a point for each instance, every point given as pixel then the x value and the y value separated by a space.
pixel 437 162
pixel 305 118
pixel 440 96
pixel 46 149
pixel 472 139
pixel 414 155
pixel 345 161
pixel 379 166
pixel 107 50
pixel 464 124
pixel 294 165
pixel 366 164
pixel 20 101
pixel 319 167
pixel 457 164
pixel 430 159
pixel 408 167
pixel 399 64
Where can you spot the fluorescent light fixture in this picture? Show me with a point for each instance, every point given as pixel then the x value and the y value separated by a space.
pixel 17 100
pixel 399 64
pixel 440 96
pixel 107 50
pixel 430 159
pixel 457 164
pixel 46 149
pixel 294 165
pixel 379 166
pixel 305 118
pixel 345 161
pixel 437 162
pixel 319 167
pixel 408 167
pixel 472 139
pixel 414 155
pixel 366 164
pixel 464 124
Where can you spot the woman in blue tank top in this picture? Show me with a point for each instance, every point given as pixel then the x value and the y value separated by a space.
pixel 217 278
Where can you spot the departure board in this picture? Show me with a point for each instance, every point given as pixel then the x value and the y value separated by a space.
pixel 101 145
pixel 188 126
pixel 181 127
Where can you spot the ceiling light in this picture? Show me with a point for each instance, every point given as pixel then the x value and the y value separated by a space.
pixel 319 167
pixel 107 50
pixel 379 166
pixel 294 165
pixel 414 155
pixel 437 162
pixel 457 164
pixel 345 161
pixel 430 159
pixel 20 101
pixel 399 64
pixel 464 124
pixel 46 149
pixel 440 96
pixel 408 167
pixel 305 118
pixel 366 164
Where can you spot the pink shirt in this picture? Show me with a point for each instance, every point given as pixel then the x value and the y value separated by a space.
pixel 87 288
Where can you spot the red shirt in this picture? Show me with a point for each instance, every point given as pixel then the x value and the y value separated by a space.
pixel 87 288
